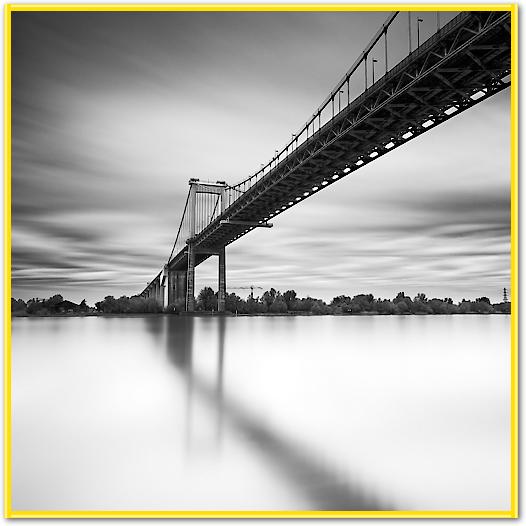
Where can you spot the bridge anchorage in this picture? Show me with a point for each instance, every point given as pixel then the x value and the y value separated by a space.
pixel 463 63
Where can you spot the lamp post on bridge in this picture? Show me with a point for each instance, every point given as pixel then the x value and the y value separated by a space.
pixel 340 100
pixel 418 21
pixel 409 30
pixel 374 62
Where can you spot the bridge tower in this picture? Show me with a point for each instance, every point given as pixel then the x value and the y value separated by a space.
pixel 200 187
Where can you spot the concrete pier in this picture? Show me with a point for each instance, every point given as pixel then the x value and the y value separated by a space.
pixel 221 296
pixel 190 279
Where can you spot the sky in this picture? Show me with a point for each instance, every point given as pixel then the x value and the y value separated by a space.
pixel 114 112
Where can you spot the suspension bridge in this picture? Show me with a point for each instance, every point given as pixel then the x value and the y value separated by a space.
pixel 464 62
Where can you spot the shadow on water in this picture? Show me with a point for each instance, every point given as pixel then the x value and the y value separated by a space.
pixel 322 485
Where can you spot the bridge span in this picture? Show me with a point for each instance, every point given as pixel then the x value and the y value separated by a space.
pixel 465 62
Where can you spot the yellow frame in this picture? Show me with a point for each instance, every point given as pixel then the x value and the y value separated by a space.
pixel 512 512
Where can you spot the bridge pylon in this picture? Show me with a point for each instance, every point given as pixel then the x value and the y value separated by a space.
pixel 199 213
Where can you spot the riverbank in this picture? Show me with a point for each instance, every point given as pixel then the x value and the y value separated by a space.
pixel 236 315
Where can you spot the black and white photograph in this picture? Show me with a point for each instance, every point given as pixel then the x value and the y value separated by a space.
pixel 261 261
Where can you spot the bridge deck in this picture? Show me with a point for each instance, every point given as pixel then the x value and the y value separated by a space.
pixel 466 62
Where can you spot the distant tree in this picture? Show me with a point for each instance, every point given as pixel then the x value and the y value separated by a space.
pixel 233 303
pixel 51 303
pixel 365 301
pixel 207 299
pixel 453 309
pixel 484 299
pixel 503 307
pixel 18 305
pixel 406 299
pixel 289 297
pixel 253 305
pixel 124 305
pixel 269 297
pixel 320 307
pixel 341 303
pixel 35 306
pixel 482 307
pixel 402 307
pixel 438 306
pixel 465 307
pixel 110 305
pixel 420 307
pixel 261 306
pixel 278 305
pixel 420 297
pixel 355 307
pixel 151 306
pixel 386 307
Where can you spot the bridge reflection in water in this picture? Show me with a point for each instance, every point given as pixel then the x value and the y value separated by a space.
pixel 261 413
pixel 324 486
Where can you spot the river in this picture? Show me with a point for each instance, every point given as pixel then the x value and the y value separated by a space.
pixel 261 413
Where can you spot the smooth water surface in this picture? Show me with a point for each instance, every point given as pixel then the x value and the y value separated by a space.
pixel 277 413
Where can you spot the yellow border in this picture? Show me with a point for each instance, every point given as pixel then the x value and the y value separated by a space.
pixel 512 513
pixel 262 514
pixel 7 261
pixel 514 165
pixel 260 7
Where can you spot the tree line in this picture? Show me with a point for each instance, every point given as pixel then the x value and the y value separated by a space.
pixel 109 305
pixel 45 307
pixel 272 301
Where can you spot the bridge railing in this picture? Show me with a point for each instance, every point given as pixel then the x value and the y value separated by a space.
pixel 385 49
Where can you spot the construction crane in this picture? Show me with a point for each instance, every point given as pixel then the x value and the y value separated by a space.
pixel 251 287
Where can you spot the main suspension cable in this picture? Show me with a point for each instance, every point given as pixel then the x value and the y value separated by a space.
pixel 180 225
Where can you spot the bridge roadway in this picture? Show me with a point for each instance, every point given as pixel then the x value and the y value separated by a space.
pixel 465 62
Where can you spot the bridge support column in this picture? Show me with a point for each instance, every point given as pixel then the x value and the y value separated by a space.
pixel 171 286
pixel 221 296
pixel 181 286
pixel 190 279
pixel 162 292
pixel 164 287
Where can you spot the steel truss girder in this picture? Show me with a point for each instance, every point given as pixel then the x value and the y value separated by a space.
pixel 332 140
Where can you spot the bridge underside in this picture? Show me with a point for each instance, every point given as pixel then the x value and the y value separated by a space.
pixel 466 62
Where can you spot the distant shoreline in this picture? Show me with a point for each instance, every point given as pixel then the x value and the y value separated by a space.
pixel 271 303
pixel 205 314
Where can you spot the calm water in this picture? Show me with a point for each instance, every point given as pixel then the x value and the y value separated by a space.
pixel 261 413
